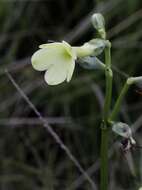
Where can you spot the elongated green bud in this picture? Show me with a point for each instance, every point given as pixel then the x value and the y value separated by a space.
pixel 99 24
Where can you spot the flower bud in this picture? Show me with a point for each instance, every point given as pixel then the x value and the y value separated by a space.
pixel 99 24
pixel 122 129
pixel 134 80
pixel 91 63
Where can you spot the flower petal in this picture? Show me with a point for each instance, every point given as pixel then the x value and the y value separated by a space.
pixel 49 55
pixel 40 60
pixel 70 70
pixel 51 45
pixel 69 49
pixel 57 73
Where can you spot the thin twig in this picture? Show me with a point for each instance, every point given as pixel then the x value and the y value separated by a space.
pixel 34 121
pixel 16 122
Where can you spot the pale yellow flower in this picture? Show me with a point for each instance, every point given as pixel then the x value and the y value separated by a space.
pixel 57 59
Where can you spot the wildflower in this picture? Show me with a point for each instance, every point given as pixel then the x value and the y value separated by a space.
pixel 57 59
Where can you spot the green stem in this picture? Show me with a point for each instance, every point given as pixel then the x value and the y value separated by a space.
pixel 130 81
pixel 107 55
pixel 108 74
pixel 104 126
pixel 104 157
pixel 119 100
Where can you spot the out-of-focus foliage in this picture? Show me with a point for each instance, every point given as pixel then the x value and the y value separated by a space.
pixel 29 157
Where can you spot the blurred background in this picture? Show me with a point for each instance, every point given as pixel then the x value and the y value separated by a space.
pixel 29 156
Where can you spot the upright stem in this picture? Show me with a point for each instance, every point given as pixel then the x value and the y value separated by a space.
pixel 108 75
pixel 104 127
pixel 104 157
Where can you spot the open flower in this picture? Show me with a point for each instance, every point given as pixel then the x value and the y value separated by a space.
pixel 57 59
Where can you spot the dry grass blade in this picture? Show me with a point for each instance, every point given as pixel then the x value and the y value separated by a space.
pixel 125 23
